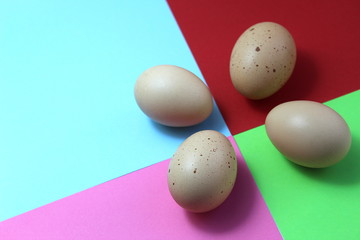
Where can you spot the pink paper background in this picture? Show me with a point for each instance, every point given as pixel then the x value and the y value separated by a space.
pixel 139 206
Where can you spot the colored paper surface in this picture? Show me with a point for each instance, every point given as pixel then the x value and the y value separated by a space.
pixel 69 120
pixel 309 203
pixel 139 206
pixel 326 34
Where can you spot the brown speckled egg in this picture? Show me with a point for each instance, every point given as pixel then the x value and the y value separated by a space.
pixel 308 133
pixel 202 171
pixel 262 60
pixel 173 96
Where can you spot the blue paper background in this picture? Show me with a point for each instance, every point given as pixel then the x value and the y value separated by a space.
pixel 68 117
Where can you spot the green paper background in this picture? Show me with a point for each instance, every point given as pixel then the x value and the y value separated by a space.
pixel 309 203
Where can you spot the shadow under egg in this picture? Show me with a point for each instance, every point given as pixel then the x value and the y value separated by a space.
pixel 235 209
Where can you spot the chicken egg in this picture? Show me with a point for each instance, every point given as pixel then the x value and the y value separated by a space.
pixel 262 60
pixel 308 133
pixel 173 96
pixel 203 171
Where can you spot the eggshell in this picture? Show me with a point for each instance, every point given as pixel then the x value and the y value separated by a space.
pixel 173 96
pixel 202 171
pixel 262 60
pixel 308 133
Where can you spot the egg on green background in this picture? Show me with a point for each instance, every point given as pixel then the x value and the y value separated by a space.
pixel 308 133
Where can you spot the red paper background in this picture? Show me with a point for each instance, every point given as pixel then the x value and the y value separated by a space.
pixel 326 33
